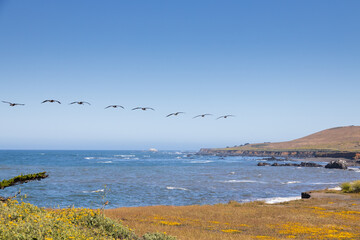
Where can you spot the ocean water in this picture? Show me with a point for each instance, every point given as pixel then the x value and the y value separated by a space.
pixel 143 178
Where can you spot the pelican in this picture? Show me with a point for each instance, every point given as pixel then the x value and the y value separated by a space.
pixel 115 106
pixel 203 115
pixel 52 101
pixel 13 104
pixel 225 116
pixel 174 114
pixel 80 103
pixel 143 108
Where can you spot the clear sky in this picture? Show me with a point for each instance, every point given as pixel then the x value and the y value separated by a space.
pixel 286 69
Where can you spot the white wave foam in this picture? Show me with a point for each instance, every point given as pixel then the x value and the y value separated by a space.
pixel 124 155
pixel 354 169
pixel 291 182
pixel 202 161
pixel 95 191
pixel 279 199
pixel 324 183
pixel 104 162
pixel 335 188
pixel 89 158
pixel 177 188
pixel 241 181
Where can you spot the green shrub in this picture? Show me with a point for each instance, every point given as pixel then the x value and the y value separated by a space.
pixel 356 186
pixel 22 178
pixel 157 236
pixel 345 187
pixel 351 187
pixel 26 221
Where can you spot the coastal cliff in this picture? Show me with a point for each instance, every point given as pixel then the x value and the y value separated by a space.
pixel 339 142
pixel 295 154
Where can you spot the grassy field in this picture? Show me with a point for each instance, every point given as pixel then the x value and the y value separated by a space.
pixel 334 139
pixel 328 216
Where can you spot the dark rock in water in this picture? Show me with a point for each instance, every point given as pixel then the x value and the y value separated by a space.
pixel 275 164
pixel 305 195
pixel 309 164
pixel 274 159
pixel 340 164
pixel 263 164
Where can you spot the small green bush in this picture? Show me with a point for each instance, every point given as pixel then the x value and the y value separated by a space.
pixel 351 187
pixel 22 178
pixel 157 236
pixel 356 186
pixel 345 187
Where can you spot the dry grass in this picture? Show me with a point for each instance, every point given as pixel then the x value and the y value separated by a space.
pixel 318 218
pixel 334 139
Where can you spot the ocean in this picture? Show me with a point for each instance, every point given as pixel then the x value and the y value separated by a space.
pixel 144 178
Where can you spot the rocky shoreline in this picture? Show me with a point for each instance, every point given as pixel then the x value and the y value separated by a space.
pixel 294 154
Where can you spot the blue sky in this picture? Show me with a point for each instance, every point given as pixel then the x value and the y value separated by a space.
pixel 286 69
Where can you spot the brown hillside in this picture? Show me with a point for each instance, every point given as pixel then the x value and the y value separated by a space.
pixel 334 139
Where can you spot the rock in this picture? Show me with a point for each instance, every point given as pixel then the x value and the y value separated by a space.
pixel 309 164
pixel 340 164
pixel 275 164
pixel 305 195
pixel 263 164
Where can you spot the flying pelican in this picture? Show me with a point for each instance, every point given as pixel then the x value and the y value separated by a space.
pixel 52 101
pixel 80 103
pixel 115 106
pixel 225 116
pixel 13 104
pixel 175 114
pixel 143 108
pixel 202 115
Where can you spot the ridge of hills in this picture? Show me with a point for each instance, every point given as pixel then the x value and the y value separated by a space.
pixel 336 140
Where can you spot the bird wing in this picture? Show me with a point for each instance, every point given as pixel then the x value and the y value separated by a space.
pixel 136 108
pixel 121 106
pixel 45 101
pixel 87 103
pixel 73 102
pixel 220 117
pixel 58 101
pixel 170 114
pixel 21 104
pixel 150 108
pixel 6 102
pixel 108 106
pixel 197 116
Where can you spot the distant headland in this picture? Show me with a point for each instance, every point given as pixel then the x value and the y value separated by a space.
pixel 338 142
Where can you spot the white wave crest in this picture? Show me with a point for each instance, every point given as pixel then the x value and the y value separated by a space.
pixel 354 169
pixel 104 162
pixel 279 199
pixel 124 155
pixel 324 183
pixel 89 158
pixel 291 182
pixel 335 188
pixel 95 191
pixel 177 188
pixel 241 181
pixel 202 161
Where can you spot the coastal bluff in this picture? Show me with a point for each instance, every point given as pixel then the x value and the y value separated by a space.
pixel 339 142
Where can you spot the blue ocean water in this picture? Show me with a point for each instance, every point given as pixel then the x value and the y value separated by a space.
pixel 143 178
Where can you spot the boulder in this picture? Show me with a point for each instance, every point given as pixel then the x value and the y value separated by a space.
pixel 263 164
pixel 340 164
pixel 305 195
pixel 309 164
